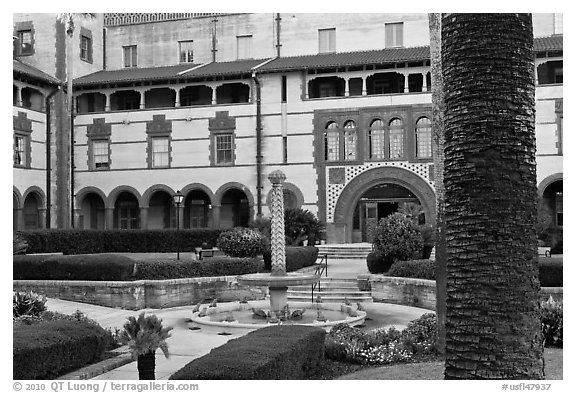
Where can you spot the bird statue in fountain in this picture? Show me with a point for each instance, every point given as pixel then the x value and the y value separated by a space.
pixel 360 307
pixel 273 319
pixel 203 312
pixel 318 299
pixel 297 314
pixel 244 300
pixel 347 302
pixel 352 313
pixel 229 318
pixel 344 308
pixel 259 313
pixel 196 308
pixel 320 317
pixel 213 304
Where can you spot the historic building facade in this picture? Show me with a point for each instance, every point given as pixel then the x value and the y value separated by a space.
pixel 209 104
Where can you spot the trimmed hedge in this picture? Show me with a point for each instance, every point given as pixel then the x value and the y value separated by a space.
pixel 276 352
pixel 208 267
pixel 375 262
pixel 75 241
pixel 418 268
pixel 296 257
pixel 49 349
pixel 92 267
pixel 550 272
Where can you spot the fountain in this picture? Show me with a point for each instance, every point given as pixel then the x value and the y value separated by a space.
pixel 252 316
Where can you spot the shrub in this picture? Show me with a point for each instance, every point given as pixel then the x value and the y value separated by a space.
pixel 208 267
pixel 552 322
pixel 381 346
pixel 375 262
pixel 49 349
pixel 19 244
pixel 98 267
pixel 550 272
pixel 301 225
pixel 241 242
pixel 145 334
pixel 552 237
pixel 27 303
pixel 397 238
pixel 296 257
pixel 277 352
pixel 74 241
pixel 419 268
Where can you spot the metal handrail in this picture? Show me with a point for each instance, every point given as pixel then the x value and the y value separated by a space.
pixel 321 267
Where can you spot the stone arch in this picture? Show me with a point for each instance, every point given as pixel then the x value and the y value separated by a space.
pixel 41 197
pixel 80 195
pixel 293 189
pixel 17 196
pixel 547 181
pixel 199 186
pixel 151 190
pixel 344 209
pixel 113 195
pixel 230 185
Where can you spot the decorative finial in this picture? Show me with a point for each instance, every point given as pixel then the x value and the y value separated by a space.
pixel 277 177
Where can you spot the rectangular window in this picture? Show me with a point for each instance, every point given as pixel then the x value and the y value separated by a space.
pixel 186 49
pixel 284 88
pixel 160 152
pixel 376 144
pixel 100 154
pixel 130 56
pixel 86 48
pixel 244 44
pixel 19 150
pixel 224 149
pixel 26 46
pixel 326 40
pixel 331 146
pixel 394 34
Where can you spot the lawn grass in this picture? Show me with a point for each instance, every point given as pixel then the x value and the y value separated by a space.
pixel 429 370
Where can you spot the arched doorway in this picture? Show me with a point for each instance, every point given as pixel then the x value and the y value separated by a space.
pixel 197 207
pixel 126 211
pixel 384 190
pixel 553 196
pixel 161 211
pixel 235 209
pixel 31 211
pixel 376 203
pixel 16 210
pixel 92 212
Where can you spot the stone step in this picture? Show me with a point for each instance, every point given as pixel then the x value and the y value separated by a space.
pixel 328 292
pixel 352 286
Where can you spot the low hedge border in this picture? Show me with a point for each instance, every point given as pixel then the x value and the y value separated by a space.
pixel 49 349
pixel 550 270
pixel 296 257
pixel 277 352
pixel 114 267
pixel 93 241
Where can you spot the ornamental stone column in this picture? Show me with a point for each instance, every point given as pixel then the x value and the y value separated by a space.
pixel 278 237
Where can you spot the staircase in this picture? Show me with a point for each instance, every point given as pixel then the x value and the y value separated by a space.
pixel 332 290
pixel 345 251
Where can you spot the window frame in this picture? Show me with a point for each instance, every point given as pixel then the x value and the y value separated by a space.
pixel 417 134
pixel 381 135
pixel 394 35
pixel 25 150
pixel 87 49
pixel 327 40
pixel 155 161
pixel 29 51
pixel 188 54
pixel 350 146
pixel 232 148
pixel 133 56
pixel 400 130
pixel 244 51
pixel 93 154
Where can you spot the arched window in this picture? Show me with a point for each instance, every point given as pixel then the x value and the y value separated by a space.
pixel 423 138
pixel 331 142
pixel 396 139
pixel 376 139
pixel 350 140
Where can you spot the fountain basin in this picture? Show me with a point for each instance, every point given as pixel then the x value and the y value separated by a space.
pixel 243 320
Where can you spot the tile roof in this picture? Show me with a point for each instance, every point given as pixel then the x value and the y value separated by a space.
pixel 26 69
pixel 328 60
pixel 133 74
pixel 551 43
pixel 240 67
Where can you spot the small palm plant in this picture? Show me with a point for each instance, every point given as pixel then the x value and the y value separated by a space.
pixel 144 335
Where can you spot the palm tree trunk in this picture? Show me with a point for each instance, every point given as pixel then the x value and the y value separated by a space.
pixel 438 157
pixel 492 307
pixel 147 366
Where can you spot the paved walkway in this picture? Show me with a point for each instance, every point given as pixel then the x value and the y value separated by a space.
pixel 186 345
